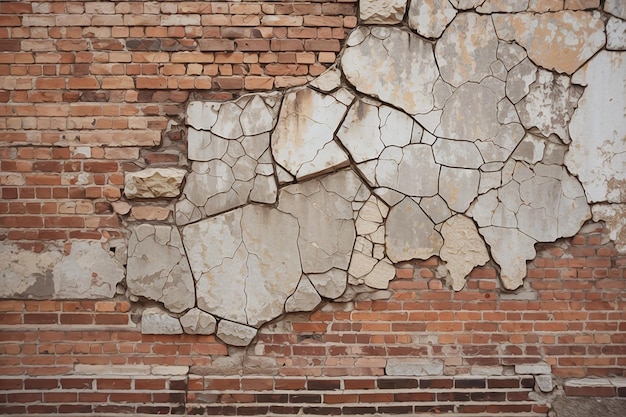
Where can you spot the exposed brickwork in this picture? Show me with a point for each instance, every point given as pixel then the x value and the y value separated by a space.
pixel 571 315
pixel 90 90
pixel 85 85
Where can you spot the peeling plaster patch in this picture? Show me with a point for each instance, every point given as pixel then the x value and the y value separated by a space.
pixel 158 268
pixel 597 153
pixel 463 249
pixel 302 142
pixel 560 41
pixel 614 215
pixel 429 18
pixel 540 203
pixel 470 124
pixel 88 271
pixel 549 105
pixel 395 66
pixel 235 277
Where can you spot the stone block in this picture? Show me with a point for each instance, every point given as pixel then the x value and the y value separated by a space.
pixel 540 368
pixel 154 183
pixel 413 367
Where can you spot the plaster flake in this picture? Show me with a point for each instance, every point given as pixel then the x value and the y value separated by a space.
pixel 305 298
pixel 560 41
pixel 328 81
pixel 616 34
pixel 196 321
pixel 158 269
pixel 458 187
pixel 549 105
pixel 614 215
pixel 157 321
pixel 227 124
pixel 202 115
pixel 368 129
pixel 467 49
pixel 519 80
pixel 511 249
pixel 410 234
pixel 235 334
pixel 429 18
pixel 302 141
pixel 463 249
pixel 399 69
pixel 204 146
pixel 457 153
pixel 235 278
pixel 615 7
pixel 331 284
pixel 327 230
pixel 256 117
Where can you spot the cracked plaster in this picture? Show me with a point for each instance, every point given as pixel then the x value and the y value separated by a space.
pixel 407 149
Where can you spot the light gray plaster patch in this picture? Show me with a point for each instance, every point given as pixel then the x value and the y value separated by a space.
pixel 157 267
pixel 429 18
pixel 88 271
pixel 598 129
pixel 399 69
pixel 467 49
pixel 410 234
pixel 302 141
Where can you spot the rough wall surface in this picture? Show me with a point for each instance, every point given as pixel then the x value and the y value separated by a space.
pixel 281 231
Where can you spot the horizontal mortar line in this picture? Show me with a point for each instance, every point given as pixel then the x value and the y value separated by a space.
pixel 94 328
pixel 364 391
pixel 384 403
pixel 418 414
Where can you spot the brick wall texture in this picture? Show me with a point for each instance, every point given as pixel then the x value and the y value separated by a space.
pixel 92 89
pixel 88 89
pixel 86 358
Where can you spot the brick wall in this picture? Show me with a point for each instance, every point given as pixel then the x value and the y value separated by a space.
pixel 89 89
pixel 492 347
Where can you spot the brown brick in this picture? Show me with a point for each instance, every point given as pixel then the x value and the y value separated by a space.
pixel 329 45
pixel 325 21
pixel 253 45
pixel 216 45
